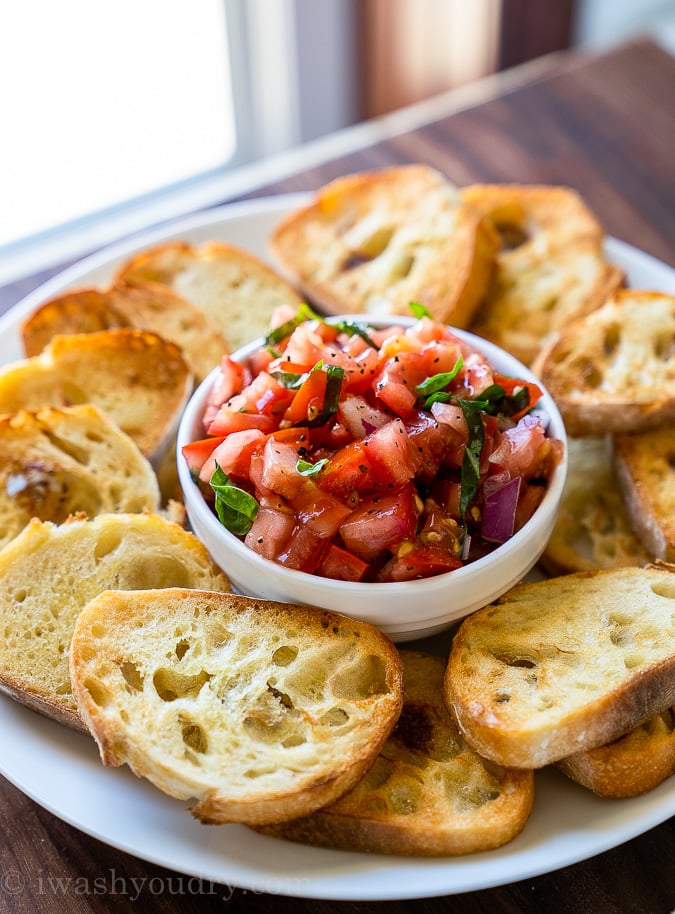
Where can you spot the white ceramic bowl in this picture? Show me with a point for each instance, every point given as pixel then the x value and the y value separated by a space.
pixel 404 610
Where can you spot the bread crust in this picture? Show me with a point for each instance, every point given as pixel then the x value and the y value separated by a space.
pixel 645 469
pixel 136 377
pixel 614 369
pixel 592 530
pixel 76 560
pixel 428 794
pixel 142 306
pixel 372 242
pixel 59 462
pixel 287 706
pixel 564 665
pixel 630 765
pixel 236 290
pixel 550 269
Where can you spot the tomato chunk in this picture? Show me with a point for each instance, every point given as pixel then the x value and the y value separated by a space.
pixel 341 565
pixel 380 522
pixel 419 562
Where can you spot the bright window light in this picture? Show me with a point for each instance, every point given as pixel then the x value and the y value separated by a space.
pixel 103 101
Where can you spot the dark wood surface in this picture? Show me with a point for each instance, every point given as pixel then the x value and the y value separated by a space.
pixel 605 125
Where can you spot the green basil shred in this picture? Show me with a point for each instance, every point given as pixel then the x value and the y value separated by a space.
pixel 236 509
pixel 433 387
pixel 283 331
pixel 305 468
pixel 353 328
pixel 418 310
pixel 331 399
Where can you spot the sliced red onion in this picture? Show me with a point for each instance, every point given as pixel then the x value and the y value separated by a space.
pixel 499 512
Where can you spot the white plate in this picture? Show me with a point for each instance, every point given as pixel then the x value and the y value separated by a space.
pixel 60 769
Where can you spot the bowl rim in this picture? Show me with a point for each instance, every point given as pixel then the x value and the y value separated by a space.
pixel 194 500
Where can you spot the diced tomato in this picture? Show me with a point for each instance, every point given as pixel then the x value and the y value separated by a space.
pixel 264 395
pixel 233 454
pixel 359 417
pixel 520 449
pixel 429 442
pixel 447 493
pixel 477 375
pixel 307 403
pixel 512 385
pixel 419 562
pixel 332 436
pixel 380 522
pixel 303 550
pixel 319 511
pixel 229 420
pixel 389 455
pixel 348 470
pixel 230 380
pixel 359 371
pixel 196 453
pixel 341 565
pixel 279 471
pixel 305 346
pixel 271 529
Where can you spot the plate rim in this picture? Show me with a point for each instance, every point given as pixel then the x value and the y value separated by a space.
pixel 371 874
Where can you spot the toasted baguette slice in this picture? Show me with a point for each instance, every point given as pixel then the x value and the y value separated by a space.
pixel 236 290
pixel 373 242
pixel 145 307
pixel 57 462
pixel 592 530
pixel 632 764
pixel 551 267
pixel 645 468
pixel 534 296
pixel 137 378
pixel 47 575
pixel 564 665
pixel 81 311
pixel 535 218
pixel 428 793
pixel 260 711
pixel 613 371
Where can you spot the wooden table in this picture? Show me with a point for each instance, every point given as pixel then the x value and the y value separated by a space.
pixel 603 124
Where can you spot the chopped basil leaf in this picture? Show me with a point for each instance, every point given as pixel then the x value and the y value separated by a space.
pixel 331 398
pixel 470 472
pixel 305 468
pixel 436 384
pixel 289 379
pixel 353 328
pixel 418 310
pixel 236 509
pixel 506 405
pixel 283 331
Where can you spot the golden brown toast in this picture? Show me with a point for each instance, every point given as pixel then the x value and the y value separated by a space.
pixel 564 665
pixel 645 468
pixel 137 378
pixel 258 711
pixel 57 462
pixel 146 307
pixel 613 371
pixel 48 573
pixel 592 529
pixel 631 764
pixel 428 793
pixel 237 291
pixel 550 269
pixel 375 241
